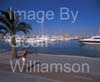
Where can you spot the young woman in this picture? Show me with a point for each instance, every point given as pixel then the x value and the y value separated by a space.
pixel 24 55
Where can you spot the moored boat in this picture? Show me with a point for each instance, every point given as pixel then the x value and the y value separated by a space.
pixel 91 40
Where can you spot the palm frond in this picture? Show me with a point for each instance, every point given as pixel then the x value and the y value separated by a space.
pixel 1 32
pixel 24 27
pixel 5 21
pixel 6 14
pixel 9 18
pixel 24 31
pixel 9 23
pixel 4 28
pixel 16 20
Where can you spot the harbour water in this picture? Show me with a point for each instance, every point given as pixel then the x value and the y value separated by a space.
pixel 71 47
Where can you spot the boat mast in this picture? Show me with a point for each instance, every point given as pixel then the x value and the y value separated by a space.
pixel 42 29
pixel 98 33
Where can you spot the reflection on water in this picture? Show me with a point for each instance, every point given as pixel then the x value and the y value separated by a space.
pixel 92 50
pixel 92 46
pixel 71 47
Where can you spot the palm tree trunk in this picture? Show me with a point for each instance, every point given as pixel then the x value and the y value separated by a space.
pixel 14 50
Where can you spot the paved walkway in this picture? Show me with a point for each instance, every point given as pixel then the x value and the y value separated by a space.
pixel 7 76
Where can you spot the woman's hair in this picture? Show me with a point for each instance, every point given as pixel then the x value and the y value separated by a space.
pixel 23 48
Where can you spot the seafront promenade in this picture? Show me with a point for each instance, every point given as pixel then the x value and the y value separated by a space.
pixel 6 75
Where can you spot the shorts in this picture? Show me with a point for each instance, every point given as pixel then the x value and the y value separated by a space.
pixel 23 59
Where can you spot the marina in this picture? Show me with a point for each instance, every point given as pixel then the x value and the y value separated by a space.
pixel 71 46
pixel 50 41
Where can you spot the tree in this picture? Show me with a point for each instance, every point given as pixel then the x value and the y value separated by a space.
pixel 9 22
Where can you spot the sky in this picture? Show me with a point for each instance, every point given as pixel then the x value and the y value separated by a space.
pixel 87 19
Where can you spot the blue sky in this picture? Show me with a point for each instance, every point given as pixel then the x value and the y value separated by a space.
pixel 87 22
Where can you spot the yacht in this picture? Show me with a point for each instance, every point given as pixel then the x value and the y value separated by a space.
pixel 91 40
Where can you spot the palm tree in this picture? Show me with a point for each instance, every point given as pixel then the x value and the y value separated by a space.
pixel 9 22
